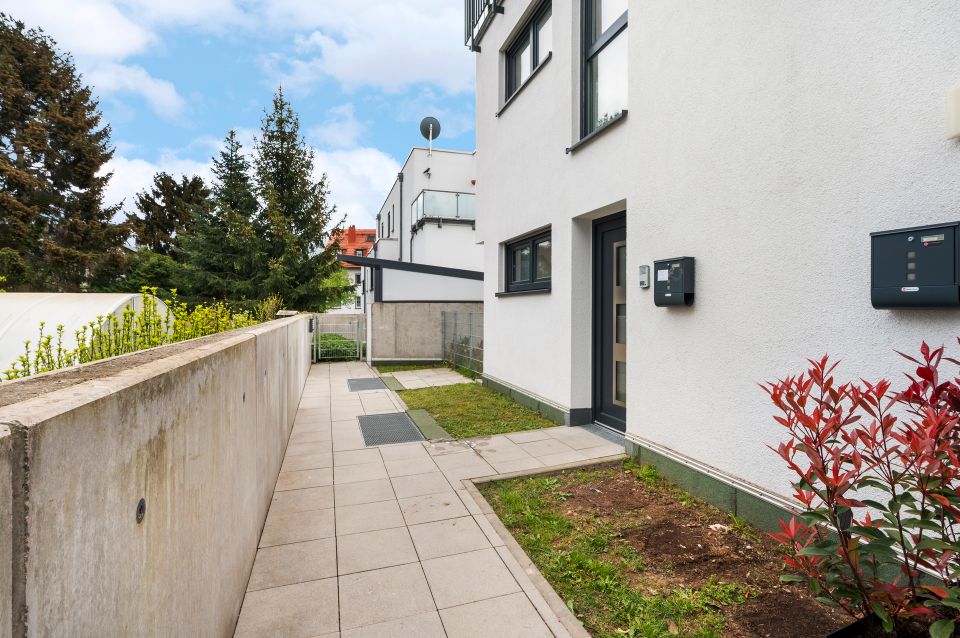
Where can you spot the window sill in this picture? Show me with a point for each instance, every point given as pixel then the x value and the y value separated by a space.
pixel 520 293
pixel 606 126
pixel 520 89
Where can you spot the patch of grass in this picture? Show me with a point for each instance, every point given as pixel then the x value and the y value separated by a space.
pixel 598 574
pixel 468 410
pixel 389 368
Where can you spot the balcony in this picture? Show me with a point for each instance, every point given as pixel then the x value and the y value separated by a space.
pixel 477 17
pixel 442 206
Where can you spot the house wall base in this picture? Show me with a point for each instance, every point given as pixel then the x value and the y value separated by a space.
pixel 558 414
pixel 744 500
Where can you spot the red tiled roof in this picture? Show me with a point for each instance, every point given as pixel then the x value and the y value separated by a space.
pixel 353 239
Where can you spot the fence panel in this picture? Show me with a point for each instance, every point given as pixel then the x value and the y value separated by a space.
pixel 339 338
pixel 463 339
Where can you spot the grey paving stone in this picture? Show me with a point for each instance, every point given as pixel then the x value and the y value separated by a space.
pixel 515 465
pixel 358 473
pixel 466 578
pixel 364 492
pixel 311 447
pixel 311 498
pixel 425 625
pixel 530 435
pixel 372 597
pixel 296 527
pixel 293 563
pixel 400 451
pixel 300 610
pixel 511 616
pixel 307 462
pixel 420 484
pixel 356 457
pixel 352 519
pixel 545 447
pixel 448 537
pixel 406 467
pixel 432 507
pixel 304 478
pixel 374 550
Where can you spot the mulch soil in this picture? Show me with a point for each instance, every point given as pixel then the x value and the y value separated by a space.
pixel 681 549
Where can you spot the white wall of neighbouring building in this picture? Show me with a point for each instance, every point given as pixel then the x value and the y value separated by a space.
pixel 767 140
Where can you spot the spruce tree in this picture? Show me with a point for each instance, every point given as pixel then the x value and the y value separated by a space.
pixel 295 220
pixel 222 251
pixel 166 212
pixel 55 233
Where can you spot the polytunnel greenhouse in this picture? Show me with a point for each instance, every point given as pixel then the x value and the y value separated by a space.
pixel 21 314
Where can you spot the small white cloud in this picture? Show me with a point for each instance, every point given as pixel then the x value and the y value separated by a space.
pixel 358 180
pixel 132 175
pixel 161 95
pixel 340 130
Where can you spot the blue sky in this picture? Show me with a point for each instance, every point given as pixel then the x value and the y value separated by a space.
pixel 174 76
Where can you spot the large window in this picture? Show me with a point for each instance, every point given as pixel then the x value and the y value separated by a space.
pixel 604 62
pixel 528 263
pixel 530 49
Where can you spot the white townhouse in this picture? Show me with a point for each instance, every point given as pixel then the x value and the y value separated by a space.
pixel 426 259
pixel 676 202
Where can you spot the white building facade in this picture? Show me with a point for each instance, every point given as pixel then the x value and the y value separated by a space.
pixel 764 140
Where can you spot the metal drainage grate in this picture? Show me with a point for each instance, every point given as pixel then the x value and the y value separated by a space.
pixel 384 429
pixel 357 385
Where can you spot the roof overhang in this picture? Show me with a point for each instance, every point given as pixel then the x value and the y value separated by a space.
pixel 427 269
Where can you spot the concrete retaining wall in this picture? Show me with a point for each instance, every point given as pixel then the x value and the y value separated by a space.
pixel 410 331
pixel 6 531
pixel 200 436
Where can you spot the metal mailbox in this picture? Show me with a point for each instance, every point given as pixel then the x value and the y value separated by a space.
pixel 673 281
pixel 915 267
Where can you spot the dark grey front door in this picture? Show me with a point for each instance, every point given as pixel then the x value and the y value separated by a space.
pixel 610 321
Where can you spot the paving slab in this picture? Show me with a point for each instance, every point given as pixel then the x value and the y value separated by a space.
pixel 389 540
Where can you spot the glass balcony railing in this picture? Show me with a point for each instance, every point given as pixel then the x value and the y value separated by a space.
pixel 442 205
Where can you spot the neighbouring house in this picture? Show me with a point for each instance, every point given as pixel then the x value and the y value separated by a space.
pixel 356 242
pixel 762 141
pixel 426 259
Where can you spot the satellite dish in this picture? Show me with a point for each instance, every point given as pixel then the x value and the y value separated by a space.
pixel 430 128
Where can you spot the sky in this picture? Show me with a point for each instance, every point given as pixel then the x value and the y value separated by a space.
pixel 174 76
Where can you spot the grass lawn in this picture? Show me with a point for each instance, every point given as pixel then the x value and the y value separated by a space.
pixel 387 368
pixel 467 410
pixel 633 555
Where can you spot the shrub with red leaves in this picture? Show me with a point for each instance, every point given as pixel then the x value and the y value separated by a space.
pixel 878 484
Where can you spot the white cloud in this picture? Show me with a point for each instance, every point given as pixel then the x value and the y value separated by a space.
pixel 340 130
pixel 132 175
pixel 377 43
pixel 358 179
pixel 161 95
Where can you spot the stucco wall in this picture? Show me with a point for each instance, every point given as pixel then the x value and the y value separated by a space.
pixel 767 140
pixel 410 330
pixel 199 435
pixel 449 245
pixel 404 285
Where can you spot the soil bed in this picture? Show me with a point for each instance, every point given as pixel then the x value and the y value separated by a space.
pixel 632 554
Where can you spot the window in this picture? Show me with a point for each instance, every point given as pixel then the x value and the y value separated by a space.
pixel 356 304
pixel 358 252
pixel 529 50
pixel 356 278
pixel 371 238
pixel 389 223
pixel 604 62
pixel 529 263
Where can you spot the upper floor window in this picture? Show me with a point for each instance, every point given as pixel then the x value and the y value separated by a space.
pixel 371 238
pixel 530 49
pixel 604 62
pixel 529 263
pixel 358 252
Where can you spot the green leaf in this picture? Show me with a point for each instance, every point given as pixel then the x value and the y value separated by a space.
pixel 827 601
pixel 943 628
pixel 874 504
pixel 792 578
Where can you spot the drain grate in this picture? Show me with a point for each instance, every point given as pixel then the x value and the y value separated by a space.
pixel 384 429
pixel 357 385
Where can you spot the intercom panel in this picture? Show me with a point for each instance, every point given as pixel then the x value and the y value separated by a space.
pixel 673 281
pixel 915 267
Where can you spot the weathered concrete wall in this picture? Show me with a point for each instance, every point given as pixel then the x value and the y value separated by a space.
pixel 198 435
pixel 410 330
pixel 6 531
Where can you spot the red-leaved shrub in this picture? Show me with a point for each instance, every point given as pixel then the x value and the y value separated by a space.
pixel 878 483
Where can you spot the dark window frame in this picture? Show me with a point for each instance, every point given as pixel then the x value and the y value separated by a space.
pixel 533 283
pixel 530 33
pixel 590 50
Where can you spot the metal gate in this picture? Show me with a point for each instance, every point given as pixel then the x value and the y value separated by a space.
pixel 339 338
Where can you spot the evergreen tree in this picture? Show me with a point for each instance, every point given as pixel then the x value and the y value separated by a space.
pixel 222 251
pixel 55 233
pixel 166 212
pixel 294 222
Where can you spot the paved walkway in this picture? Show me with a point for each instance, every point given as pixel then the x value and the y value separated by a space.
pixel 431 377
pixel 385 541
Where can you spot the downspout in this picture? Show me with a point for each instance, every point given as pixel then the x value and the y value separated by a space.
pixel 400 221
